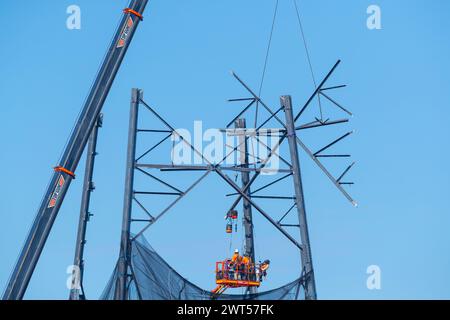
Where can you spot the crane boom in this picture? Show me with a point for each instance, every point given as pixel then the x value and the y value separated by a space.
pixel 64 172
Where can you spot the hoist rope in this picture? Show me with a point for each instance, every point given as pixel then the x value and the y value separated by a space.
pixel 308 56
pixel 231 244
pixel 266 60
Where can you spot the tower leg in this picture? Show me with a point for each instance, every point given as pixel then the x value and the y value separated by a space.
pixel 245 176
pixel 88 187
pixel 307 266
pixel 125 243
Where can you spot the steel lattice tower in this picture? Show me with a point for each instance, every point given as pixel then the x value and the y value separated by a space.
pixel 286 132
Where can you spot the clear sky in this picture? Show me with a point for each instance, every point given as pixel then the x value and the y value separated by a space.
pixel 398 79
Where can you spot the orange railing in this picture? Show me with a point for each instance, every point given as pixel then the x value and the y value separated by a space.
pixel 228 270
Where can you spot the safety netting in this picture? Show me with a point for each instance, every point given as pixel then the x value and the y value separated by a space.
pixel 155 279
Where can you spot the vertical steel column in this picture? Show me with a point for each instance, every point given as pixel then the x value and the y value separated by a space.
pixel 125 243
pixel 85 214
pixel 245 178
pixel 307 266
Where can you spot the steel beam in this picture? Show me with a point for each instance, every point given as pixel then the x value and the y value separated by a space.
pixel 257 98
pixel 317 90
pixel 78 293
pixel 125 243
pixel 306 256
pixel 252 180
pixel 170 206
pixel 258 208
pixel 327 173
pixel 247 219
pixel 317 124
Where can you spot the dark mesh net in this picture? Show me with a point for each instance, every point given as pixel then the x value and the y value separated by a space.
pixel 157 280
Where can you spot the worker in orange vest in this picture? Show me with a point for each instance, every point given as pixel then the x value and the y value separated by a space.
pixel 245 267
pixel 236 260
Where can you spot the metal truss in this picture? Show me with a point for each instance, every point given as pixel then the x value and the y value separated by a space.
pixel 288 131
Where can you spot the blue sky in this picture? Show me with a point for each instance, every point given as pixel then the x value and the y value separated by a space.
pixel 398 80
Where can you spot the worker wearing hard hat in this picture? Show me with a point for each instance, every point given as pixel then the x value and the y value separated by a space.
pixel 236 258
pixel 235 261
pixel 264 267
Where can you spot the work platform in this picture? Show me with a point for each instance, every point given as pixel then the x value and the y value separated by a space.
pixel 238 283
